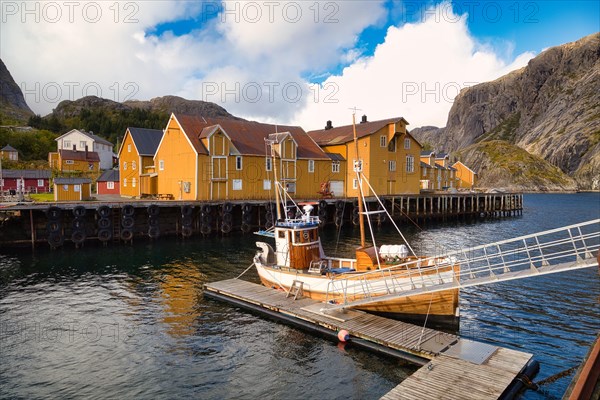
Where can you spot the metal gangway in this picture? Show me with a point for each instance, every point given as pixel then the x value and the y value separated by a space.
pixel 564 249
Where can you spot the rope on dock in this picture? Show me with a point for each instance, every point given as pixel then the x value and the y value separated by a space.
pixel 246 270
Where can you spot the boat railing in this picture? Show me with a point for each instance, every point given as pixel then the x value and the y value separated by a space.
pixel 556 250
pixel 304 221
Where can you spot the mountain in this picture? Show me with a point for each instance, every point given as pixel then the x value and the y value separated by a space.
pixel 13 107
pixel 550 109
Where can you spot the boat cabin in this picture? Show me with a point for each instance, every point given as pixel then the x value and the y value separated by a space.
pixel 297 242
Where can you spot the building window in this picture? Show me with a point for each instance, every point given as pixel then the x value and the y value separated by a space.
pixel 125 182
pixel 290 187
pixel 266 184
pixel 82 145
pixel 335 166
pixel 69 162
pixel 133 182
pixel 40 183
pixel 238 163
pixel 129 148
pixel 410 164
pixel 124 165
pixel 77 188
pixel 311 166
pixel 91 166
pixel 392 165
pixel 66 188
pixel 67 144
pixel 269 164
pixel 110 185
pixel 354 183
pixel 13 156
pixel 133 165
pixel 161 165
pixel 407 144
pixel 392 145
pixel 383 141
pixel 424 171
pixel 237 184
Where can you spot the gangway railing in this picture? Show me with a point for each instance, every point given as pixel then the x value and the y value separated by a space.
pixel 564 249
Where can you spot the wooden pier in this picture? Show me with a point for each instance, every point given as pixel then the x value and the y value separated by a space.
pixel 452 367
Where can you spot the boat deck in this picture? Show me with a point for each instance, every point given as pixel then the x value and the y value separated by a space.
pixel 452 367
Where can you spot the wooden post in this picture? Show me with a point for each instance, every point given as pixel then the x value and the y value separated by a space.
pixel 32 228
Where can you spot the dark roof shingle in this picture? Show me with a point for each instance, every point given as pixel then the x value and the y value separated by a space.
pixel 345 134
pixel 110 175
pixel 90 156
pixel 146 140
pixel 26 173
pixel 71 181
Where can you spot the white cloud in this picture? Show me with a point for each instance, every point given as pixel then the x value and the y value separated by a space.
pixel 242 52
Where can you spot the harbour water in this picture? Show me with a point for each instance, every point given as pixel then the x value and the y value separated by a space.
pixel 131 321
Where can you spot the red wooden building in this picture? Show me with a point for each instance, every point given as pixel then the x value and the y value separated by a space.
pixel 108 182
pixel 26 180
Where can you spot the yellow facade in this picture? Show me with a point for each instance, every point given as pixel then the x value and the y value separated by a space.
pixel 72 192
pixel 466 178
pixel 129 168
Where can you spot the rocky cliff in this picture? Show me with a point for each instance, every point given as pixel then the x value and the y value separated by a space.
pixel 13 107
pixel 550 109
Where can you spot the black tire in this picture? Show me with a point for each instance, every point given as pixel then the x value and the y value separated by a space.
pixel 227 208
pixel 247 218
pixel 186 220
pixel 322 213
pixel 338 221
pixel 153 210
pixel 207 219
pixel 205 229
pixel 340 204
pixel 356 220
pixel 55 239
pixel 322 204
pixel 78 237
pixel 128 210
pixel 78 224
pixel 227 218
pixel 269 216
pixel 104 235
pixel 126 235
pixel 187 210
pixel 154 232
pixel 104 211
pixel 127 222
pixel 153 222
pixel 104 223
pixel 247 208
pixel 53 226
pixel 206 209
pixel 246 227
pixel 54 213
pixel 79 211
pixel 355 211
pixel 186 231
pixel 225 227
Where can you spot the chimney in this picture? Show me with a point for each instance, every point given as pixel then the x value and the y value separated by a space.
pixel 328 126
pixel 364 119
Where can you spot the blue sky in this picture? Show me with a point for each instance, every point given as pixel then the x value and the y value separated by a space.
pixel 300 62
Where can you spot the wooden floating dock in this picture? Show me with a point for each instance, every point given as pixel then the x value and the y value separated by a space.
pixel 452 367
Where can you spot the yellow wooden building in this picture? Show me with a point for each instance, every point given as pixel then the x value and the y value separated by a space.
pixel 70 161
pixel 389 152
pixel 436 172
pixel 136 162
pixel 72 189
pixel 202 158
pixel 466 177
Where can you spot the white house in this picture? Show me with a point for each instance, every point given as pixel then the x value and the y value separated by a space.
pixel 77 139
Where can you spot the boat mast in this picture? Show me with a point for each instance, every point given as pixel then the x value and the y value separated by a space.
pixel 275 181
pixel 358 170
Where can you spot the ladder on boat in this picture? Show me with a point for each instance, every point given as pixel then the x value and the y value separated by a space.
pixel 297 289
pixel 564 249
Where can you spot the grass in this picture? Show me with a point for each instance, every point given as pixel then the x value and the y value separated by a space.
pixel 42 197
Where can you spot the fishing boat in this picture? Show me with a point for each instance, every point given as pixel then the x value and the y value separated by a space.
pixel 298 265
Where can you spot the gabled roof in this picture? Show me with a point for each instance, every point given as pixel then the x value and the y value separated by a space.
pixel 95 138
pixel 110 175
pixel 8 147
pixel 427 153
pixel 345 134
pixel 248 137
pixel 461 163
pixel 441 156
pixel 425 165
pixel 25 173
pixel 90 156
pixel 145 140
pixel 71 181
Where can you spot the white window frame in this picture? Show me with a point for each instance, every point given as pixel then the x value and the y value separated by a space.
pixel 14 156
pixel 161 165
pixel 67 144
pixel 236 184
pixel 129 148
pixel 133 165
pixel 124 165
pixel 239 164
pixel 125 182
pixel 406 144
pixel 66 188
pixel 354 183
pixel 40 183
pixel 133 182
pixel 268 164
pixel 335 167
pixel 110 185
pixel 410 164
pixel 266 184
pixel 77 188
pixel 392 165
pixel 82 143
pixel 383 141
pixel 311 166
pixel 69 162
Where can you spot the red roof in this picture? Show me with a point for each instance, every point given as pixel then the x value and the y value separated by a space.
pixel 248 137
pixel 90 156
pixel 345 134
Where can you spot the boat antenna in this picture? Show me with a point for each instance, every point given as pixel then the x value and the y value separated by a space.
pixel 277 194
pixel 358 170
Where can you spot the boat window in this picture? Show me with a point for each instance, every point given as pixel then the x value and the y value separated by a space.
pixel 281 235
pixel 297 237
